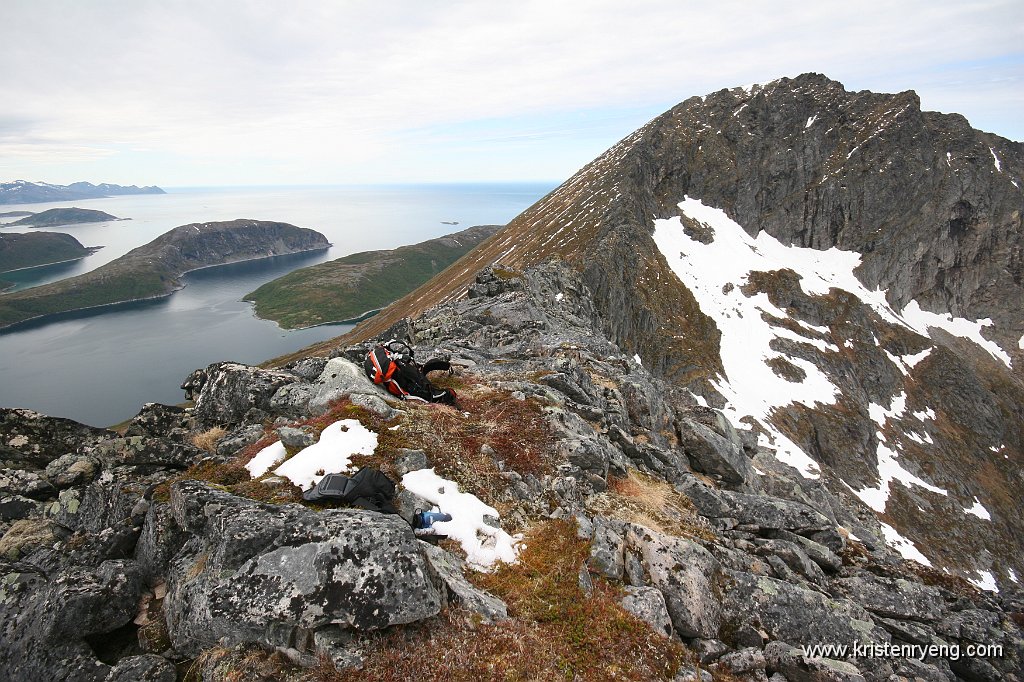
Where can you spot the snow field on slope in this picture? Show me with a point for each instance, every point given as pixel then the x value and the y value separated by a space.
pixel 483 544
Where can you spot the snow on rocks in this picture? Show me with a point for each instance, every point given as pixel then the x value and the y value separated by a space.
pixel 483 543
pixel 979 510
pixel 906 548
pixel 331 454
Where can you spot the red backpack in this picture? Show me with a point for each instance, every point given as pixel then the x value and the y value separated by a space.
pixel 392 366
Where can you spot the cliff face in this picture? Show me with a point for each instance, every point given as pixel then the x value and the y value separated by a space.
pixel 155 269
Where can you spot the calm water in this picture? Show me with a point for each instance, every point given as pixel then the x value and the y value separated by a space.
pixel 99 367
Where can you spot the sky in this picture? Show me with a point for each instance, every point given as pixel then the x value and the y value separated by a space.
pixel 217 93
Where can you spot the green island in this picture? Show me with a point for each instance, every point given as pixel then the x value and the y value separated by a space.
pixel 55 217
pixel 358 285
pixel 155 269
pixel 19 251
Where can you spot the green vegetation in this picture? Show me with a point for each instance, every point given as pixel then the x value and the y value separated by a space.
pixel 65 216
pixel 155 269
pixel 348 288
pixel 38 248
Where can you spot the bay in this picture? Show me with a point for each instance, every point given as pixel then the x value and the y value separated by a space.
pixel 99 367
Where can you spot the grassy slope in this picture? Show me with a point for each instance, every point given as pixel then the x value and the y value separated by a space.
pixel 38 248
pixel 348 287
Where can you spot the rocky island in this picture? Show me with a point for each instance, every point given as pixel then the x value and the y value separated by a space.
pixel 23 192
pixel 56 217
pixel 19 251
pixel 155 269
pixel 352 287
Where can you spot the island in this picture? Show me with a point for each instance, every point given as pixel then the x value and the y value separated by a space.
pixel 155 269
pixel 56 217
pixel 24 192
pixel 354 287
pixel 19 251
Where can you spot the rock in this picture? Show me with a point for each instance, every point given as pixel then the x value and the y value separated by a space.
pixel 648 604
pixel 410 460
pixel 14 507
pixel 104 503
pixel 893 598
pixel 340 379
pixel 254 572
pixel 32 440
pixel 685 573
pixel 409 503
pixel 45 623
pixel 714 454
pixel 155 420
pixel 607 548
pixel 790 661
pixel 25 483
pixel 225 392
pixel 147 454
pixel 307 368
pixel 793 556
pixel 144 668
pixel 744 661
pixel 687 673
pixel 762 511
pixel 710 650
pixel 447 571
pixel 241 437
pixel 792 613
pixel 296 438
pixel 828 560
pixel 26 535
pixel 72 470
pixel 374 404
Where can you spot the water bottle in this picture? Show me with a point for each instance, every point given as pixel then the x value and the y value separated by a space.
pixel 427 519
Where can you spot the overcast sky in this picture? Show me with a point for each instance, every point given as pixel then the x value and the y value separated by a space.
pixel 317 92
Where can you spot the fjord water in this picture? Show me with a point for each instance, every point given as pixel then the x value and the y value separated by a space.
pixel 99 367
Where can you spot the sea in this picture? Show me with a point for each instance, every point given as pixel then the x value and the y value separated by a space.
pixel 99 367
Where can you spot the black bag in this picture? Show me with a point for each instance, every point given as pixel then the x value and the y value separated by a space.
pixel 392 366
pixel 367 489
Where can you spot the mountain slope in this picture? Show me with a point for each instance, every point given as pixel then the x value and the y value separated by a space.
pixel 38 248
pixel 893 368
pixel 23 192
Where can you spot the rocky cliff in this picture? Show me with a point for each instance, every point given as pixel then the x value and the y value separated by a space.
pixel 713 449
pixel 155 269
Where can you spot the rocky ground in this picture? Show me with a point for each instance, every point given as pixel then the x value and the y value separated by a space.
pixel 658 540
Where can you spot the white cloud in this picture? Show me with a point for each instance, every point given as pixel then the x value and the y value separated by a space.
pixel 329 86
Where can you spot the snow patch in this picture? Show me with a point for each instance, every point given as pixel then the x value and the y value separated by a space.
pixel 889 470
pixel 636 359
pixel 986 581
pixel 810 121
pixel 266 458
pixel 905 547
pixel 1013 575
pixel 979 511
pixel 999 166
pixel 559 296
pixel 920 320
pixel 926 414
pixel 329 455
pixel 484 544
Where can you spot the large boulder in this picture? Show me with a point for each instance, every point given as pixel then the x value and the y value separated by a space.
pixel 225 392
pixel 29 440
pixel 45 622
pixel 267 574
pixel 340 378
pixel 893 598
pixel 715 452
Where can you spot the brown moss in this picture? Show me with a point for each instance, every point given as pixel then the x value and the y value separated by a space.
pixel 651 502
pixel 207 440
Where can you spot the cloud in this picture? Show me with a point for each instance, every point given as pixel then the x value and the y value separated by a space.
pixel 335 86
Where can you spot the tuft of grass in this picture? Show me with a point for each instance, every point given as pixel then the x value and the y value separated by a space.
pixel 207 440
pixel 651 502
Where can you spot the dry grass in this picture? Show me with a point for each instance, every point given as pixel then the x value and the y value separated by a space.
pixel 207 440
pixel 556 632
pixel 651 502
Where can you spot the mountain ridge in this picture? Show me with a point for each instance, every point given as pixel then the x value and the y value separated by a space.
pixel 24 192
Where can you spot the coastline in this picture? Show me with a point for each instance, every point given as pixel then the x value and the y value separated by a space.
pixel 14 326
pixel 92 250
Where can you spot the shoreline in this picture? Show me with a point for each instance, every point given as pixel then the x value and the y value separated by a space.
pixel 13 327
pixel 92 250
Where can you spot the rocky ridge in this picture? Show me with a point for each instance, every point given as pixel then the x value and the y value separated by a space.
pixel 23 192
pixel 116 563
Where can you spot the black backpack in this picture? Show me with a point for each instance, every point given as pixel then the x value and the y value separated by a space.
pixel 367 489
pixel 392 366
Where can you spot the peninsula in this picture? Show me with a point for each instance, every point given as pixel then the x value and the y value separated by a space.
pixel 56 217
pixel 155 269
pixel 19 251
pixel 23 192
pixel 356 286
